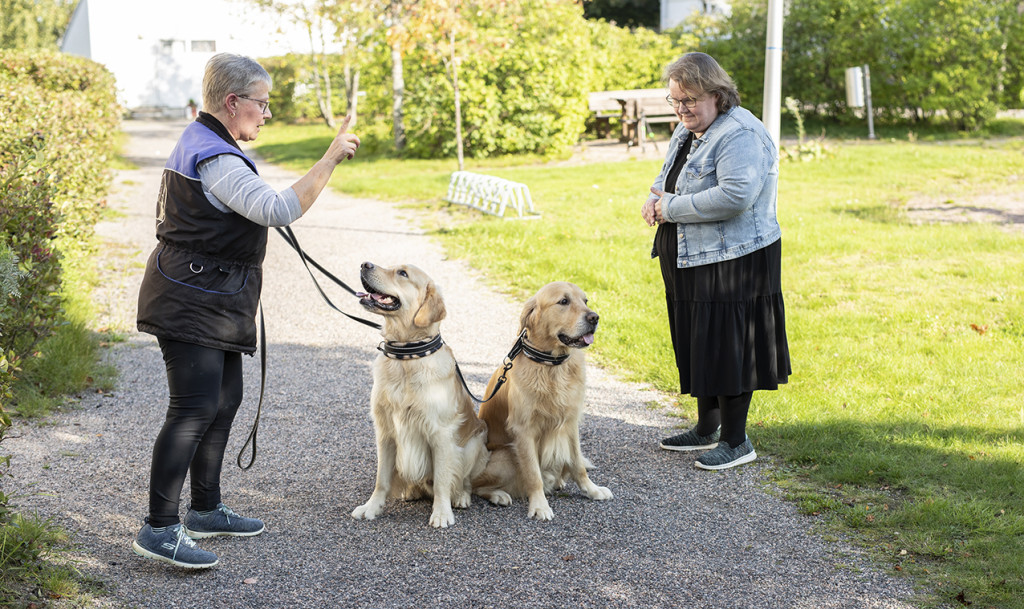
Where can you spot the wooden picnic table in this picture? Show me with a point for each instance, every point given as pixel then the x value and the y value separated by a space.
pixel 635 109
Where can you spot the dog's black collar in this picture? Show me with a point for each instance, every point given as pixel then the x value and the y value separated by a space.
pixel 411 350
pixel 542 357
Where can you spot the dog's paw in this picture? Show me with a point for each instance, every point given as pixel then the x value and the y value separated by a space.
pixel 367 511
pixel 500 498
pixel 461 500
pixel 599 493
pixel 540 511
pixel 442 519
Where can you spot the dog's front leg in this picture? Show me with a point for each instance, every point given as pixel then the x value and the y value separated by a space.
pixel 386 450
pixel 579 465
pixel 533 481
pixel 444 481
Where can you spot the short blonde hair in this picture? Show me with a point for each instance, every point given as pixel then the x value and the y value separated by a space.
pixel 699 74
pixel 229 73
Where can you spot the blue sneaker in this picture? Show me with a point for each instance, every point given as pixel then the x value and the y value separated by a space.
pixel 688 441
pixel 221 521
pixel 724 456
pixel 171 545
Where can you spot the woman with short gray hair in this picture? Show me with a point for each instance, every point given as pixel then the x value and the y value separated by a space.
pixel 199 297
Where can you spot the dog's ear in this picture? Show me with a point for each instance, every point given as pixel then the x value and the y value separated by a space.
pixel 432 310
pixel 528 310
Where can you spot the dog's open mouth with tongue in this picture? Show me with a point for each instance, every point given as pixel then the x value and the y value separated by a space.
pixel 374 298
pixel 580 342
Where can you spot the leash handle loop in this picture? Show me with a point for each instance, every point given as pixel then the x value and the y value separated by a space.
pixel 251 440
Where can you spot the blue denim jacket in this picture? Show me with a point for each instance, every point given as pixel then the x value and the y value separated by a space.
pixel 724 200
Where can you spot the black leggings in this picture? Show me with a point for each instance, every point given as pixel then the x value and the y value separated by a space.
pixel 728 411
pixel 205 389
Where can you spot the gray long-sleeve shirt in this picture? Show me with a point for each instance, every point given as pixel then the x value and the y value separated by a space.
pixel 231 186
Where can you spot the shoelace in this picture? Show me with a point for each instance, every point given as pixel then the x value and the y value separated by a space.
pixel 182 538
pixel 228 512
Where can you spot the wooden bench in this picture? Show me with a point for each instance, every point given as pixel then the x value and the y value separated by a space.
pixel 636 109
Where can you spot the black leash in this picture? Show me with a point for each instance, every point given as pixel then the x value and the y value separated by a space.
pixel 506 365
pixel 289 237
pixel 291 240
pixel 259 408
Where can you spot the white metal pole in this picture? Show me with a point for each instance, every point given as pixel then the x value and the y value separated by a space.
pixel 867 96
pixel 773 70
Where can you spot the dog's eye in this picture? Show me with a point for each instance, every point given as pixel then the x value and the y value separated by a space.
pixel 563 301
pixel 403 273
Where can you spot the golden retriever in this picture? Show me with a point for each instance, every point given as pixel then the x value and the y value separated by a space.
pixel 533 419
pixel 429 440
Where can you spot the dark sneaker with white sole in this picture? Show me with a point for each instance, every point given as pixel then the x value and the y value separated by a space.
pixel 691 441
pixel 724 456
pixel 171 545
pixel 221 521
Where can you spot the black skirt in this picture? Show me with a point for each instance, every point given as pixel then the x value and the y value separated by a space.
pixel 727 320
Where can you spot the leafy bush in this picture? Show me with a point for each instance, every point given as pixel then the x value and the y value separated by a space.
pixel 525 84
pixel 951 62
pixel 293 97
pixel 524 74
pixel 523 81
pixel 60 118
pixel 10 276
pixel 631 59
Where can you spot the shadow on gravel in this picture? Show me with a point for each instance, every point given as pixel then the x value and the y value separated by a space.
pixel 672 535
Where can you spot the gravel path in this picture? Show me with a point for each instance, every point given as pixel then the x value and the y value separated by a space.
pixel 674 536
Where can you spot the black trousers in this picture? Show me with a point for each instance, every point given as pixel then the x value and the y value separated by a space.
pixel 205 391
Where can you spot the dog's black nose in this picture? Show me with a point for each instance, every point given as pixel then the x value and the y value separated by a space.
pixel 592 318
pixel 366 266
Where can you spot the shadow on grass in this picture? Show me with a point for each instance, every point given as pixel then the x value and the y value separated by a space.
pixel 902 453
pixel 940 502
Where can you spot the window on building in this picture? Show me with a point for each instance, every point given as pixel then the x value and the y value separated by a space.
pixel 171 47
pixel 204 46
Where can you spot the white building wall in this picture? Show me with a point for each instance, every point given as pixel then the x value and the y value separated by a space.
pixel 673 12
pixel 76 38
pixel 157 50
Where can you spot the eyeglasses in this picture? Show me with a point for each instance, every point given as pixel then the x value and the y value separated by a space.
pixel 688 103
pixel 264 104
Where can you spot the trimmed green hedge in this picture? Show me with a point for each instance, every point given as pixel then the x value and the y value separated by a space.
pixel 60 116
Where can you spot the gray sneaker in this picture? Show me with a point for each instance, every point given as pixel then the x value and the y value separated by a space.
pixel 171 545
pixel 724 456
pixel 221 521
pixel 690 441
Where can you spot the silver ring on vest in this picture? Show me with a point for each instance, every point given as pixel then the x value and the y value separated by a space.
pixel 192 267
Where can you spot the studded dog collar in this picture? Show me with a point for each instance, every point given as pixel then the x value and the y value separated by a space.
pixel 542 357
pixel 411 350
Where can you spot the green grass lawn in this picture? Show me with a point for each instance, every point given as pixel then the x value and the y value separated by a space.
pixel 903 422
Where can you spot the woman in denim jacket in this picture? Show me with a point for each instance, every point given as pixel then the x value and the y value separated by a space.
pixel 718 240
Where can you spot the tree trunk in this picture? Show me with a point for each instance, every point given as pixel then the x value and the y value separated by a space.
pixel 397 93
pixel 323 97
pixel 353 96
pixel 458 103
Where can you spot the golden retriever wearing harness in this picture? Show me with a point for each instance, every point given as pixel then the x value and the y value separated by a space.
pixel 429 440
pixel 533 419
